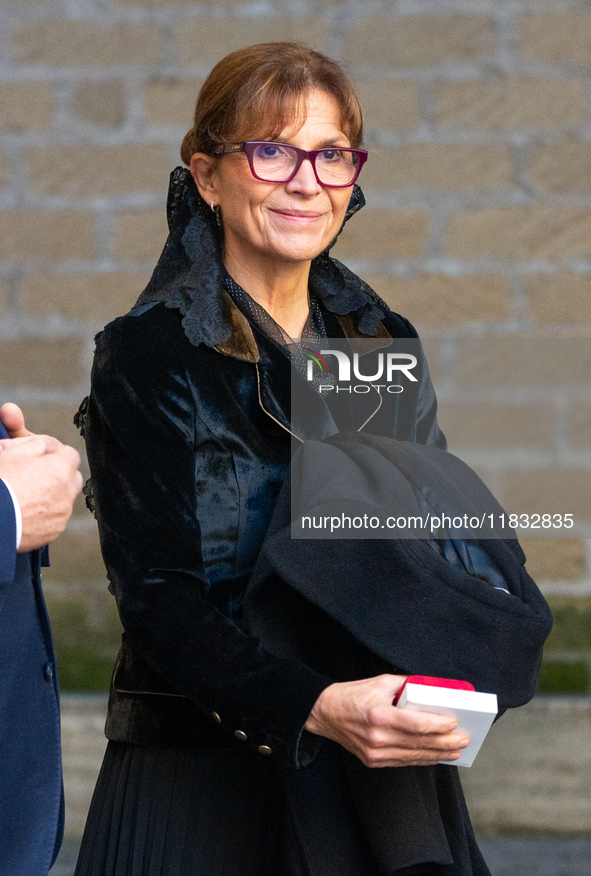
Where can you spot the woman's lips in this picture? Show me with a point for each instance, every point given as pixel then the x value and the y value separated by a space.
pixel 304 217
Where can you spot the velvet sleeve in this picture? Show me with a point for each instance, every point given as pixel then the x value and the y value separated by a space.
pixel 140 433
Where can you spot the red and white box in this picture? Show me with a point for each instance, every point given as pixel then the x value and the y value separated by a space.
pixel 474 711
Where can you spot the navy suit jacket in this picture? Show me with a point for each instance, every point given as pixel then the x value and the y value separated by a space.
pixel 31 795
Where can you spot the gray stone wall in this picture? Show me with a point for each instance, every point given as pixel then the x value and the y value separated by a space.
pixel 478 186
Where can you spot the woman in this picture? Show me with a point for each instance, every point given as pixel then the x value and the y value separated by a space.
pixel 188 438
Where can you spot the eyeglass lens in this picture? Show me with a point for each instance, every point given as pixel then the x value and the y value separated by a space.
pixel 274 162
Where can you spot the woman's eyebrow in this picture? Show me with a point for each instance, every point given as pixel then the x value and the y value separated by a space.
pixel 321 145
pixel 333 142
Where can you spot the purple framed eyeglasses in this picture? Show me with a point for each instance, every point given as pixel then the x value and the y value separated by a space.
pixel 336 167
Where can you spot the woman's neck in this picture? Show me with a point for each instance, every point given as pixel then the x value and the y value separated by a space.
pixel 281 290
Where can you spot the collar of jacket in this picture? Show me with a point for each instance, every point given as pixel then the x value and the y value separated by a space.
pixel 188 277
pixel 283 392
pixel 242 343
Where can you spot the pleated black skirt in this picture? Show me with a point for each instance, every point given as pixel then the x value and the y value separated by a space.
pixel 191 812
pixel 185 812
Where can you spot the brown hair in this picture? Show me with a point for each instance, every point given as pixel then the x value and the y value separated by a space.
pixel 254 93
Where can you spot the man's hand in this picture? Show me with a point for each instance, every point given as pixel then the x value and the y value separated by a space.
pixel 43 473
pixel 13 421
pixel 359 715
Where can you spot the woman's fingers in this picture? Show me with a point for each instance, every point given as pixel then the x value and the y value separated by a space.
pixel 426 742
pixel 424 726
pixel 412 750
pixel 360 716
pixel 390 747
pixel 387 717
pixel 398 757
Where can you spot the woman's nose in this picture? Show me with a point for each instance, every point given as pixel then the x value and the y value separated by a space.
pixel 305 180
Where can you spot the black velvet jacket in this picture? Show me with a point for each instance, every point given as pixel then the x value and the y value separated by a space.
pixel 189 437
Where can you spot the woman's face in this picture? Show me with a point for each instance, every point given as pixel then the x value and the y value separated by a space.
pixel 278 222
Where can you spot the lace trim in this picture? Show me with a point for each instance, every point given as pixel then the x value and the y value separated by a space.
pixel 189 276
pixel 80 423
pixel 80 416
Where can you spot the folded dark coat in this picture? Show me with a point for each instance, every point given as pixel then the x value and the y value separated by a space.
pixel 399 597
pixel 352 608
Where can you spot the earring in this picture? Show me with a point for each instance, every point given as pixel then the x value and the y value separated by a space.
pixel 217 211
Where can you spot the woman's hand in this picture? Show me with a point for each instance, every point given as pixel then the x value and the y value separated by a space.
pixel 359 715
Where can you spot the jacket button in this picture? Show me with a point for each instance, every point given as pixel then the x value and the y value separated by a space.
pixel 240 734
pixel 48 671
pixel 264 749
pixel 216 717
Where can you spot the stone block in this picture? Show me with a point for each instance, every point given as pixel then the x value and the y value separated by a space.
pixel 220 4
pixel 445 167
pixel 206 40
pixel 3 170
pixel 549 490
pixel 418 40
pixel 572 623
pixel 51 235
pixel 530 779
pixel 165 3
pixel 76 556
pixel 139 235
pixel 494 426
pixel 561 298
pixel 171 101
pixel 41 363
pixel 557 38
pixel 389 105
pixel 578 426
pixel 98 171
pixel 440 300
pixel 87 633
pixel 561 168
pixel 85 43
pixel 81 512
pixel 3 296
pixel 83 748
pixel 383 233
pixel 521 233
pixel 100 103
pixel 522 364
pixel 555 559
pixel 47 418
pixel 25 106
pixel 95 298
pixel 512 103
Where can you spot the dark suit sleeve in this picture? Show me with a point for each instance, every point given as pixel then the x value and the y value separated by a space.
pixel 7 540
pixel 140 440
